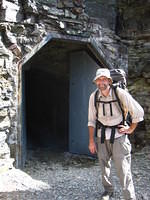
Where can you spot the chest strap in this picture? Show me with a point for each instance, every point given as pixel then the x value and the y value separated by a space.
pixel 107 102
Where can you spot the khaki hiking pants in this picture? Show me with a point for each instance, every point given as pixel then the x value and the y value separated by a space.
pixel 120 152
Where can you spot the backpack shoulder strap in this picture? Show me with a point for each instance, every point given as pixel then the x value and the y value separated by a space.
pixel 119 103
pixel 95 101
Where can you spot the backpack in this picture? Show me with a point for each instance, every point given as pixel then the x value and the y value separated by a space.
pixel 119 80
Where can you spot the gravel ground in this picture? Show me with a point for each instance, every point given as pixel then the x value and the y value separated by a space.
pixel 63 176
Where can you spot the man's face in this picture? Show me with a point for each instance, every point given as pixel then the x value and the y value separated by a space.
pixel 102 83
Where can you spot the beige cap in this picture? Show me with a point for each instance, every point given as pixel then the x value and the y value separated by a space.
pixel 102 72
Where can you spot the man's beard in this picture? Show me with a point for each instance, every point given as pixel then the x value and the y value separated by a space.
pixel 103 87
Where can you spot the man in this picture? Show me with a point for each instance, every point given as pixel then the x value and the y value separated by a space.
pixel 112 139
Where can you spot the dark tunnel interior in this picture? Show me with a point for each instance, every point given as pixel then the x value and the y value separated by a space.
pixel 46 110
pixel 46 78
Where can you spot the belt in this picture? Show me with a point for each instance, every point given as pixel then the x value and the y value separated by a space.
pixel 103 128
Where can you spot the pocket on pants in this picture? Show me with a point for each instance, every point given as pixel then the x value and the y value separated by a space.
pixel 125 145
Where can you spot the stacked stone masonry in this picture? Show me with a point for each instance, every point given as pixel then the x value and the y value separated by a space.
pixel 133 27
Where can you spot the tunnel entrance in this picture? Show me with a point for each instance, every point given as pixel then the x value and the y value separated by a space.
pixel 56 82
pixel 46 99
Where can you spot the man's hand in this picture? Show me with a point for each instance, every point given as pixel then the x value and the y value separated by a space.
pixel 127 129
pixel 92 147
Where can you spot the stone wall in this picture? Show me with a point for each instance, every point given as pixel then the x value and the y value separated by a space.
pixel 102 12
pixel 133 27
pixel 7 112
pixel 23 24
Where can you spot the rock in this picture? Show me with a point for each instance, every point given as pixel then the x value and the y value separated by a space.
pixel 4 123
pixel 10 12
pixel 18 29
pixel 69 14
pixel 67 3
pixel 30 6
pixel 3 112
pixel 19 180
pixel 4 151
pixel 16 50
pixel 27 48
pixel 103 12
pixel 29 20
pixel 39 30
pixel 1 62
pixel 3 51
pixel 56 12
pixel 3 137
pixel 5 165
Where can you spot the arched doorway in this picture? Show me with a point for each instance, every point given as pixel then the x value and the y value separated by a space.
pixel 56 84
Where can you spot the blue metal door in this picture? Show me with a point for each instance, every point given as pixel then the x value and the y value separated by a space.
pixel 82 72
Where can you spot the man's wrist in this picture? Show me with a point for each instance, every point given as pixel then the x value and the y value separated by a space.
pixel 132 127
pixel 91 141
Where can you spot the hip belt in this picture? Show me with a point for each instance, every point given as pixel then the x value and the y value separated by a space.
pixel 103 127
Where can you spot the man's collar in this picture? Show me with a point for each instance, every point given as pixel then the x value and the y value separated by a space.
pixel 109 95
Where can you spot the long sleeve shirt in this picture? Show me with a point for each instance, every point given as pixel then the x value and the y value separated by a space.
pixel 129 104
